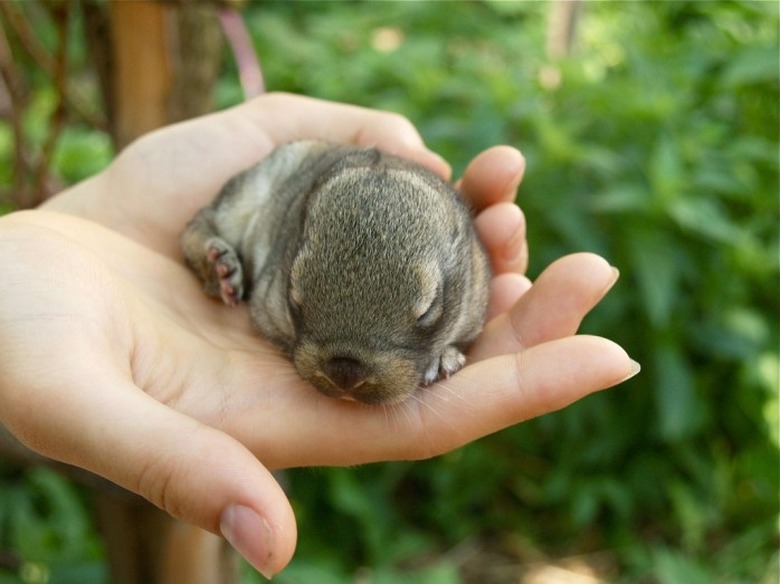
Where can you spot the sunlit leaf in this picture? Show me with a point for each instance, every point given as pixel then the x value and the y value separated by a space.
pixel 657 147
pixel 82 154
pixel 672 567
pixel 752 65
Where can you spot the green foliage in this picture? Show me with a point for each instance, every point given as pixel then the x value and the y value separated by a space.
pixel 656 145
pixel 43 520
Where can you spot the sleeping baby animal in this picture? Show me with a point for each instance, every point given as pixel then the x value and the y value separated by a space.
pixel 365 268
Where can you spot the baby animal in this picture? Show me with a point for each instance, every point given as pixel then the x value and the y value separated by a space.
pixel 365 268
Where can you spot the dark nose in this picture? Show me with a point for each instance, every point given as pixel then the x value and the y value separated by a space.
pixel 345 372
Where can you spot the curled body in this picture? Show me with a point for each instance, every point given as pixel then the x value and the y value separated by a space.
pixel 364 267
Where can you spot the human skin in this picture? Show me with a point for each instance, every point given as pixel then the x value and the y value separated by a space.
pixel 114 360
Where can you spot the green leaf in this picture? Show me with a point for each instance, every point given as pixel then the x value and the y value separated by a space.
pixel 443 573
pixel 752 65
pixel 706 217
pixel 676 398
pixel 80 154
pixel 657 272
pixel 672 567
pixel 302 572
pixel 691 512
pixel 623 198
pixel 666 170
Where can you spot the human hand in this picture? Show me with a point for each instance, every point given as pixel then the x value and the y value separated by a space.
pixel 149 383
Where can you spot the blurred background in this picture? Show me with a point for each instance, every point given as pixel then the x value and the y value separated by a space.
pixel 651 135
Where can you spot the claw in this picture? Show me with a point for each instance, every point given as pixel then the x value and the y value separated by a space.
pixel 444 366
pixel 227 273
pixel 228 293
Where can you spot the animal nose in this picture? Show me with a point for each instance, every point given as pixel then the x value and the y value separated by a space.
pixel 346 373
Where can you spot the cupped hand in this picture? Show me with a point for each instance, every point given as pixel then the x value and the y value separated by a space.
pixel 115 361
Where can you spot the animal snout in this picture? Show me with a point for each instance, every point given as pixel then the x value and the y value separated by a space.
pixel 345 373
pixel 362 375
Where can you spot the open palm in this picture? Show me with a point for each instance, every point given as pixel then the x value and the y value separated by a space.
pixel 115 361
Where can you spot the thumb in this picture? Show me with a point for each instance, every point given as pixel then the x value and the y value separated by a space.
pixel 68 345
pixel 190 470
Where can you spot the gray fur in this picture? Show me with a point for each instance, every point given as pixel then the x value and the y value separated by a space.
pixel 364 267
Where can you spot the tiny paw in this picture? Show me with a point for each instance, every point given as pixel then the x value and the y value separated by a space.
pixel 448 363
pixel 227 275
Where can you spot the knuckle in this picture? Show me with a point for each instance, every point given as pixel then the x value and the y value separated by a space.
pixel 157 482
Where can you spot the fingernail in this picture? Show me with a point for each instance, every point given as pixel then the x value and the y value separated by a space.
pixel 250 535
pixel 615 277
pixel 635 368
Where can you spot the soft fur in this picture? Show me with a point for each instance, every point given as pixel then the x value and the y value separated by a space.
pixel 363 266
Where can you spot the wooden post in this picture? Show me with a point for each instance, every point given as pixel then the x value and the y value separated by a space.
pixel 562 27
pixel 164 59
pixel 142 75
pixel 156 62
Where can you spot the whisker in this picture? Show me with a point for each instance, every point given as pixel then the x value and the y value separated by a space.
pixel 430 407
pixel 446 394
pixel 385 411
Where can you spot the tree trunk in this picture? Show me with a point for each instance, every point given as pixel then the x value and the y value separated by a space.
pixel 562 27
pixel 156 62
pixel 163 61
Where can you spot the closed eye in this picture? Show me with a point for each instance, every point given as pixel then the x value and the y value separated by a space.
pixel 429 306
pixel 431 314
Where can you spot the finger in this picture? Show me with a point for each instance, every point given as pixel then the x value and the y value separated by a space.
pixel 222 144
pixel 553 308
pixel 505 291
pixel 493 177
pixel 509 389
pixel 287 117
pixel 192 471
pixel 481 399
pixel 319 437
pixel 501 227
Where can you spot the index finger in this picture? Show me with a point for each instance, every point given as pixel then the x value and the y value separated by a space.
pixel 286 117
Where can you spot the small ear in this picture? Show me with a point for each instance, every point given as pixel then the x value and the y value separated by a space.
pixel 428 307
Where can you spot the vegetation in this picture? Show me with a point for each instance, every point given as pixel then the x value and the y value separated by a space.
pixel 655 144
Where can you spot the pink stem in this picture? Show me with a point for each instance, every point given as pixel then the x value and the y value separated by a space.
pixel 249 71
